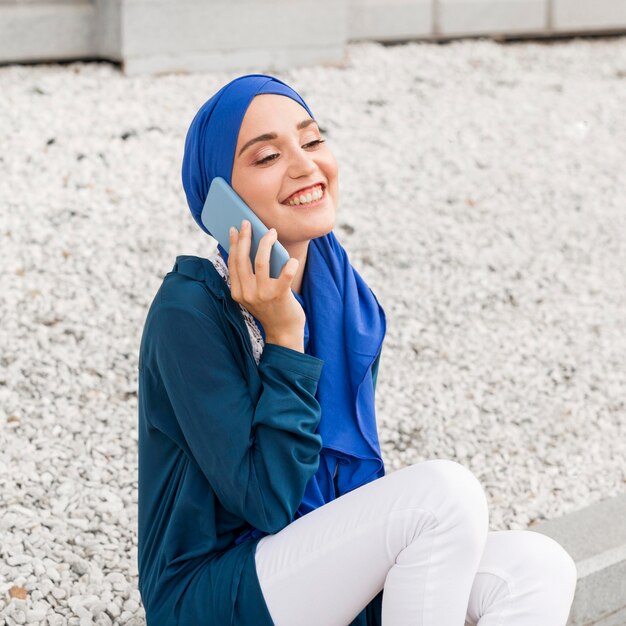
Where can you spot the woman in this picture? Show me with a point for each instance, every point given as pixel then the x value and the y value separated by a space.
pixel 262 493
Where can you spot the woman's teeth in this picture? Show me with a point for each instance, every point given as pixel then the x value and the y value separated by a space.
pixel 315 194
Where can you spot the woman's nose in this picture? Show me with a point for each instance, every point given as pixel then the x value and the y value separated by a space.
pixel 301 162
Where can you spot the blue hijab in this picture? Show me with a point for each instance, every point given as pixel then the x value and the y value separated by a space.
pixel 345 325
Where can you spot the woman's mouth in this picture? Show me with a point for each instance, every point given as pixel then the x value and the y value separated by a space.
pixel 312 197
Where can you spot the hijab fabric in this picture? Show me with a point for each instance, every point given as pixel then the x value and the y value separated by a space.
pixel 345 324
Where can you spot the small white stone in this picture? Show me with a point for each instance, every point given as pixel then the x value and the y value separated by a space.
pixel 19 559
pixel 131 606
pixel 59 593
pixel 53 574
pixel 113 610
pixel 35 615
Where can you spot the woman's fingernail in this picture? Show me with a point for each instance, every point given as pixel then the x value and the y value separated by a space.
pixel 232 231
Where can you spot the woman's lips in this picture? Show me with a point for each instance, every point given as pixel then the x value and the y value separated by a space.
pixel 308 204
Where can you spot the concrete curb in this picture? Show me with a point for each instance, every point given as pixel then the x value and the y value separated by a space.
pixel 595 537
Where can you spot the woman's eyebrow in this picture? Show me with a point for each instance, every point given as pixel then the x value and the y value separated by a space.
pixel 268 136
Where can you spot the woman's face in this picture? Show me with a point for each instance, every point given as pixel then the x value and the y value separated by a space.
pixel 267 173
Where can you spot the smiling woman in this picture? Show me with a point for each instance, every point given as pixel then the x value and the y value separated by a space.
pixel 289 161
pixel 263 498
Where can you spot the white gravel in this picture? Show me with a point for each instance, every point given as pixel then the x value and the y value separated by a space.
pixel 483 194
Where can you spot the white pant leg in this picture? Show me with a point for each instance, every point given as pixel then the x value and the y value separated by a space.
pixel 418 532
pixel 524 579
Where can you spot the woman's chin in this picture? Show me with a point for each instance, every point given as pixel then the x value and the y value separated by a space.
pixel 312 229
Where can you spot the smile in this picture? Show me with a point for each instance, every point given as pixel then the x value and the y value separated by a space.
pixel 313 196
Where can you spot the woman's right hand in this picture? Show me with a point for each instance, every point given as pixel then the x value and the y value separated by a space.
pixel 270 300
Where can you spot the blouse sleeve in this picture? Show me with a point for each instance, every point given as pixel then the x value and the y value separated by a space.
pixel 257 457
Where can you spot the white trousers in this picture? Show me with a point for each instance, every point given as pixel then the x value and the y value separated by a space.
pixel 421 534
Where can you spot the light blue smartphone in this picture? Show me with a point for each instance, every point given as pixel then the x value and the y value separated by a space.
pixel 224 208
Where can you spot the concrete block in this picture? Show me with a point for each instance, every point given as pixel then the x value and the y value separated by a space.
pixel 595 537
pixel 486 17
pixel 388 20
pixel 588 15
pixel 193 27
pixel 109 29
pixel 617 619
pixel 47 32
pixel 32 2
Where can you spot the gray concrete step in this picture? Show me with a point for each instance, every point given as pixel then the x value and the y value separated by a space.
pixel 595 537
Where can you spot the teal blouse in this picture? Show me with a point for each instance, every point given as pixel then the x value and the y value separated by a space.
pixel 224 445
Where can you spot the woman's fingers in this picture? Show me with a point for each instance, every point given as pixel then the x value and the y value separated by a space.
pixel 247 286
pixel 266 284
pixel 262 264
pixel 244 267
pixel 288 273
pixel 235 286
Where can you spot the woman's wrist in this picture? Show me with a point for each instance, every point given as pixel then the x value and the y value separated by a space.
pixel 295 342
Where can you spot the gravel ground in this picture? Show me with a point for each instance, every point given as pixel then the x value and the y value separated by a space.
pixel 483 200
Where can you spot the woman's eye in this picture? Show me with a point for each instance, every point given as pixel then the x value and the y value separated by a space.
pixel 313 143
pixel 270 157
pixel 267 158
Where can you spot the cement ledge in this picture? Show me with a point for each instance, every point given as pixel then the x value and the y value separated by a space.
pixel 595 537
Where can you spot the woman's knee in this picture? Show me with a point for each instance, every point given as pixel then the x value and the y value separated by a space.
pixel 458 486
pixel 548 558
pixel 537 556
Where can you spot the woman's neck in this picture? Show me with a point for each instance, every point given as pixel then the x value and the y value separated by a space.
pixel 299 252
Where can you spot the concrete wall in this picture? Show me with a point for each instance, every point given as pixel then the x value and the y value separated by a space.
pixel 388 20
pixel 196 35
pixel 39 31
pixel 168 35
pixel 203 35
